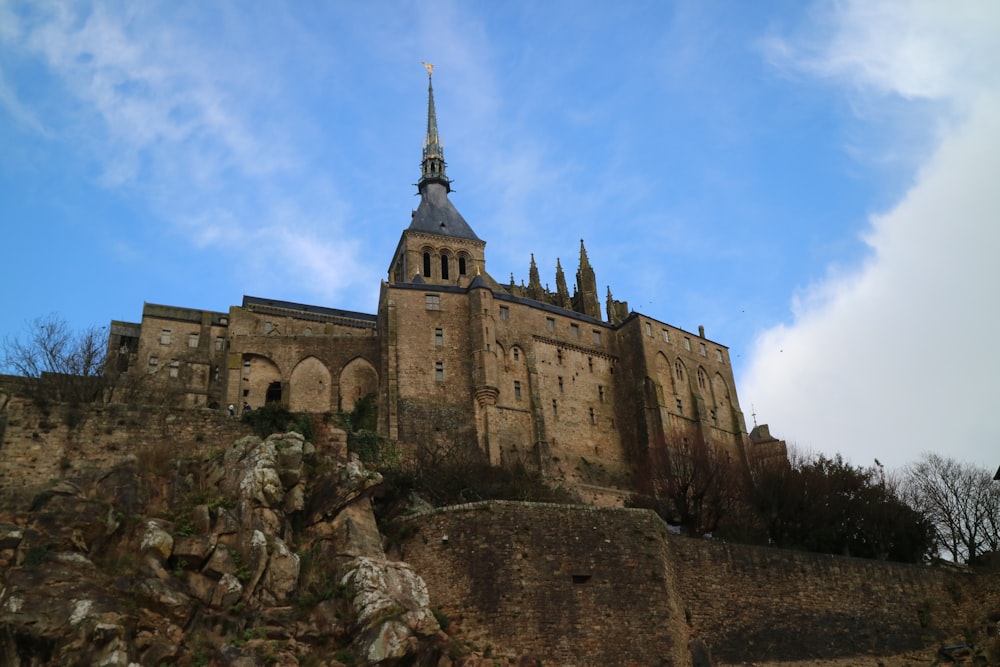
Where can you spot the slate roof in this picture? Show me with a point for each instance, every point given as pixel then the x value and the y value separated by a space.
pixel 437 215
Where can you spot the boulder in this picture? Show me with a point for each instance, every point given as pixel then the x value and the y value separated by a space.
pixel 157 541
pixel 379 589
pixel 220 563
pixel 228 591
pixel 261 471
pixel 334 492
pixel 200 586
pixel 282 575
pixel 355 531
pixel 192 552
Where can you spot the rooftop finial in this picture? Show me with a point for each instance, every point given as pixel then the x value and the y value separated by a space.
pixel 430 69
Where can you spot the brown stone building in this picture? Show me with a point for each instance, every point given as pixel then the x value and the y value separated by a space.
pixel 453 357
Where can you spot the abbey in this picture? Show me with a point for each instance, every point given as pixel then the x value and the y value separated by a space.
pixel 455 358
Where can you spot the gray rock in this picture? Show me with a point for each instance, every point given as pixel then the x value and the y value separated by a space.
pixel 157 541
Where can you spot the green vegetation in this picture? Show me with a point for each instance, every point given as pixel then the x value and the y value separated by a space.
pixel 811 503
pixel 275 418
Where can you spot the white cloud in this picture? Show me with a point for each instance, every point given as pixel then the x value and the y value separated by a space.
pixel 900 354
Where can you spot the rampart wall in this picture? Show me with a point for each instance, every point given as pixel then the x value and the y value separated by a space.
pixel 757 603
pixel 568 585
pixel 39 444
pixel 579 585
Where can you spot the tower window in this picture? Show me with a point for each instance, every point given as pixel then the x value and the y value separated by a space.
pixel 439 371
pixel 461 266
pixel 517 389
pixel 504 313
pixel 550 323
pixel 687 343
pixel 268 328
pixel 175 368
pixel 590 364
pixel 649 329
pixel 219 343
pixel 718 356
pixel 517 354
pixel 427 265
pixel 153 365
pixel 574 330
pixel 560 384
pixel 702 350
pixel 593 417
pixel 439 337
pixel 165 337
pixel 555 408
pixel 666 336
pixel 600 393
pixel 680 406
pixel 433 301
pixel 559 357
pixel 597 337
pixel 193 340
pixel 444 267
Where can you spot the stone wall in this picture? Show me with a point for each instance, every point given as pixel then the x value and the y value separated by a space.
pixel 755 603
pixel 578 585
pixel 41 444
pixel 567 585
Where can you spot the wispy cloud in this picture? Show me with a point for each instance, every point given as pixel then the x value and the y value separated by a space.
pixel 194 130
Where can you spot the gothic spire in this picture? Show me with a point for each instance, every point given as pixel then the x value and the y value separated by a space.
pixel 562 292
pixel 436 214
pixel 534 281
pixel 586 299
pixel 432 166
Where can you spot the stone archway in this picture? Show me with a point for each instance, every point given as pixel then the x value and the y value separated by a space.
pixel 357 380
pixel 310 387
pixel 257 380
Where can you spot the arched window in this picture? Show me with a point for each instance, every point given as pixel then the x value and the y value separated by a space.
pixel 444 267
pixel 427 265
pixel 461 266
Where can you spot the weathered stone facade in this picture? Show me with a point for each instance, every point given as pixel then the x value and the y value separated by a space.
pixel 454 358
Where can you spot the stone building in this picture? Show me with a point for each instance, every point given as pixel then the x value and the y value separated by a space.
pixel 455 358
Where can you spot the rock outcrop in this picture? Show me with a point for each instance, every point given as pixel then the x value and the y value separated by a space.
pixel 267 553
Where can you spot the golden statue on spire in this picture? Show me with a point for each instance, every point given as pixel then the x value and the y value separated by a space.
pixel 430 68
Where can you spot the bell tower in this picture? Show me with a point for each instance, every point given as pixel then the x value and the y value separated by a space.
pixel 439 247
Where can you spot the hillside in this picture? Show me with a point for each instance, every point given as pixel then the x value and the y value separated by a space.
pixel 156 537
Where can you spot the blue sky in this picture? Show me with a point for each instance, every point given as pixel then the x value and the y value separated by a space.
pixel 813 183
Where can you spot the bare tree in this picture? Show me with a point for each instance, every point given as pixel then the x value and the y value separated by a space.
pixel 961 501
pixel 827 505
pixel 64 365
pixel 695 486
